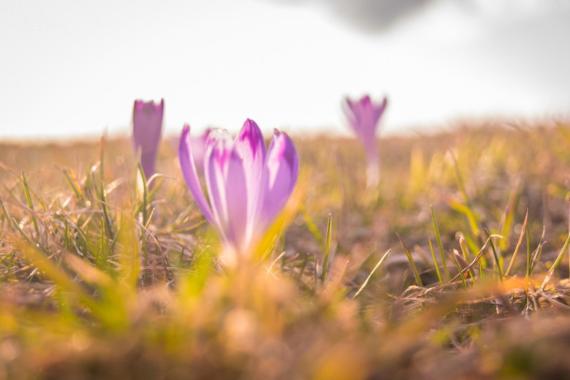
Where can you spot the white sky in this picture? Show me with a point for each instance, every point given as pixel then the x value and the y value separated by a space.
pixel 71 68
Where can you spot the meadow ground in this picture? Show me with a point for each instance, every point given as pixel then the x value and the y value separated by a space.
pixel 455 267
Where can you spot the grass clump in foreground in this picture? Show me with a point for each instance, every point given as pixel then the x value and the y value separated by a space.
pixel 455 267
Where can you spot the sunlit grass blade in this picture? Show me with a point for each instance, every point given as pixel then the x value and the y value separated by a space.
pixel 537 254
pixel 498 261
pixel 328 254
pixel 418 174
pixel 87 272
pixel 312 226
pixel 469 215
pixel 378 265
pixel 101 192
pixel 442 254
pixel 460 265
pixel 466 254
pixel 30 204
pixel 508 220
pixel 464 247
pixel 13 223
pixel 411 263
pixel 434 263
pixel 460 181
pixel 75 187
pixel 477 259
pixel 284 219
pixel 528 260
pixel 192 283
pixel 128 252
pixel 518 246
pixel 142 193
pixel 556 263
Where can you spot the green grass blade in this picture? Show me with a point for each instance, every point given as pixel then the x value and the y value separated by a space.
pixel 411 263
pixel 435 264
pixel 378 265
pixel 518 246
pixel 328 248
pixel 556 263
pixel 498 264
pixel 440 245
pixel 30 204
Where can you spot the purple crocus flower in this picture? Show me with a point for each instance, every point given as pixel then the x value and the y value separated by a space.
pixel 147 128
pixel 364 118
pixel 246 185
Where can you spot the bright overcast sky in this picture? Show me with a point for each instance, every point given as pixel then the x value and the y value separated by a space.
pixel 71 68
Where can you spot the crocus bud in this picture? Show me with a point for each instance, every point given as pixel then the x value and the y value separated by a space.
pixel 364 118
pixel 147 128
pixel 246 185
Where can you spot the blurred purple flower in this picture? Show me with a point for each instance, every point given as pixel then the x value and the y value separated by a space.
pixel 147 128
pixel 247 187
pixel 364 118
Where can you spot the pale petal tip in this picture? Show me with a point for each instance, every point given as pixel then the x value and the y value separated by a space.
pixel 184 134
pixel 285 148
pixel 249 129
pixel 250 139
pixel 141 105
pixel 249 122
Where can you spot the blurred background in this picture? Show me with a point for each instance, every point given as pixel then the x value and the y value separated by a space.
pixel 71 69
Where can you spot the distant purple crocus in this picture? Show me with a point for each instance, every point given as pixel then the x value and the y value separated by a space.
pixel 147 128
pixel 364 118
pixel 247 187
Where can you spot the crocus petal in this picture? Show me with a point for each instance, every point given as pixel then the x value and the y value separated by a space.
pixel 349 112
pixel 190 175
pixel 380 108
pixel 148 163
pixel 249 143
pixel 147 128
pixel 236 197
pixel 282 169
pixel 215 169
pixel 199 147
pixel 250 146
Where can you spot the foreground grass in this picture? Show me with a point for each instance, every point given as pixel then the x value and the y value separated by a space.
pixel 456 267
